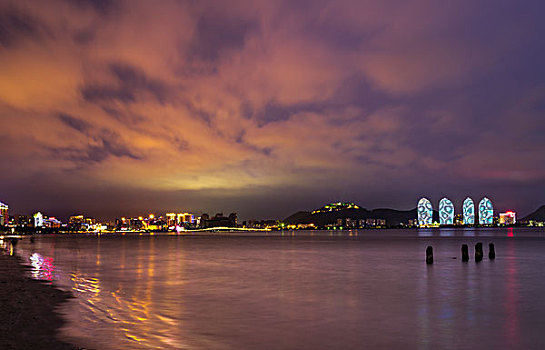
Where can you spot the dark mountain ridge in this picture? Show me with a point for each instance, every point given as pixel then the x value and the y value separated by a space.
pixel 392 216
pixel 538 215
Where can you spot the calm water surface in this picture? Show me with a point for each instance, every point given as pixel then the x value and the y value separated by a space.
pixel 364 289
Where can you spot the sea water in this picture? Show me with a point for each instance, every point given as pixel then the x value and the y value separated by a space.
pixel 361 289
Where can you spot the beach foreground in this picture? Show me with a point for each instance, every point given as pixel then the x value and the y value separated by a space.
pixel 29 318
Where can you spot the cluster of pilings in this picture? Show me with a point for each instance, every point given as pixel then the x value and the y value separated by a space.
pixel 465 253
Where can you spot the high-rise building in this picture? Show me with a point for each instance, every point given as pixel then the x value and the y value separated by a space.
pixel 174 219
pixel 486 212
pixel 171 219
pixel 23 221
pixel 52 222
pixel 4 216
pixel 469 211
pixel 425 212
pixel 446 212
pixel 80 222
pixel 187 218
pixel 38 220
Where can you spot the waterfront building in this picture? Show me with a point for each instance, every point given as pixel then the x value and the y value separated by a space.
pixel 171 219
pixel 4 216
pixel 425 212
pixel 446 212
pixel 23 221
pixel 179 219
pixel 80 222
pixel 187 218
pixel 486 212
pixel 219 220
pixel 351 223
pixel 372 222
pixel 38 220
pixel 508 218
pixel 52 222
pixel 468 210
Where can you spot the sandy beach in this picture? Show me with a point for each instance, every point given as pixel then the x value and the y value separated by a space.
pixel 29 319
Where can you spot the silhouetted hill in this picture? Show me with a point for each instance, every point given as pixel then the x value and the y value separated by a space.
pixel 392 216
pixel 301 217
pixel 538 215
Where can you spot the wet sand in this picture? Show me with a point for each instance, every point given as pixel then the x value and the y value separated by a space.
pixel 28 317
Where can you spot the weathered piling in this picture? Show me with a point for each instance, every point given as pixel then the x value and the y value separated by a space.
pixel 465 252
pixel 429 255
pixel 478 252
pixel 491 252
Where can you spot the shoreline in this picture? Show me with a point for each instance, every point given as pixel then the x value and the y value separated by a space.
pixel 30 319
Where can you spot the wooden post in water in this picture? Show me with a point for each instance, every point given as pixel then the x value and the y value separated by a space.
pixel 492 252
pixel 478 252
pixel 429 255
pixel 465 252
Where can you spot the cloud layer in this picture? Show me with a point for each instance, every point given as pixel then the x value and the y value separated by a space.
pixel 267 107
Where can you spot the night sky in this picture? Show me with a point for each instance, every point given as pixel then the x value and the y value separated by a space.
pixel 114 108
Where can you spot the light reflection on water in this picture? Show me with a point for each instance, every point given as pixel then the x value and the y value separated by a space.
pixel 303 290
pixel 42 267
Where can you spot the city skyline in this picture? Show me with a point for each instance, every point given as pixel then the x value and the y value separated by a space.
pixel 464 213
pixel 117 107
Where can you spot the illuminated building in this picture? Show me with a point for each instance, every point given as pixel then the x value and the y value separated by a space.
pixel 171 219
pixel 4 217
pixel 375 222
pixel 76 219
pixel 486 212
pixel 469 211
pixel 351 223
pixel 508 218
pixel 458 219
pixel 233 218
pixel 79 222
pixel 23 221
pixel 446 212
pixel 174 219
pixel 425 212
pixel 52 222
pixel 38 220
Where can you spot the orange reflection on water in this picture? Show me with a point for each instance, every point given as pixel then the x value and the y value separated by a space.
pixel 130 314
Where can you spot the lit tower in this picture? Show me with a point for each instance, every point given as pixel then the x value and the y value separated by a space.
pixel 486 212
pixel 446 212
pixel 469 211
pixel 38 220
pixel 4 217
pixel 425 212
